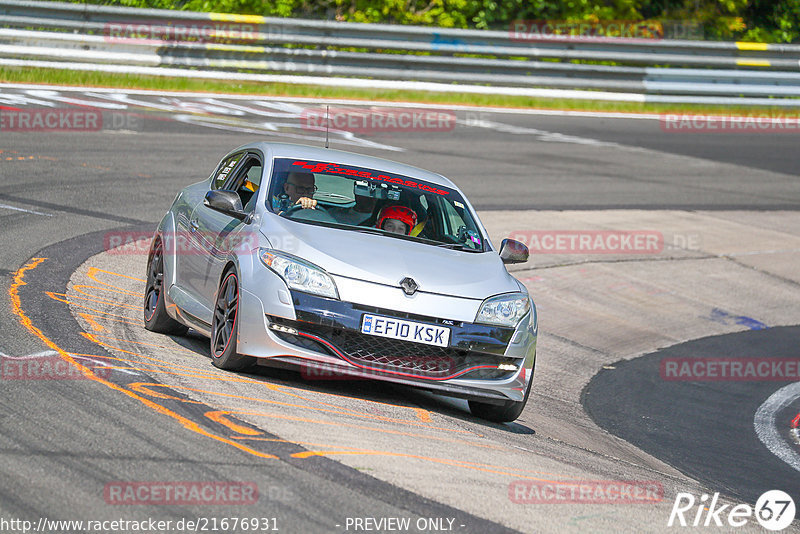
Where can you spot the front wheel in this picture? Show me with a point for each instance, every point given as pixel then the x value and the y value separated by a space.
pixel 225 326
pixel 501 413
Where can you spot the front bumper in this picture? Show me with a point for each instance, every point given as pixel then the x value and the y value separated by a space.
pixel 490 363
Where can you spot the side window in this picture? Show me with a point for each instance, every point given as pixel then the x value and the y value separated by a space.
pixel 454 220
pixel 464 232
pixel 248 180
pixel 224 170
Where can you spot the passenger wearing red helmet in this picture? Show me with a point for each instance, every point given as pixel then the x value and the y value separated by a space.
pixel 396 219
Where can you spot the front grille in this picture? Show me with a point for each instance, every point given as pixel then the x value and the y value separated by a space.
pixel 394 354
pixel 397 356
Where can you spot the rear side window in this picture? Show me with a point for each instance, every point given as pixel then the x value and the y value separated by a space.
pixel 224 170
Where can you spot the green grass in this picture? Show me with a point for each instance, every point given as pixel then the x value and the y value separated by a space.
pixel 136 81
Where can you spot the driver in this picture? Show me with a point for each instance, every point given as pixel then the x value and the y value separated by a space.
pixel 299 187
pixel 396 219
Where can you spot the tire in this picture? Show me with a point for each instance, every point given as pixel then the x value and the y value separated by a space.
pixel 501 413
pixel 156 318
pixel 225 326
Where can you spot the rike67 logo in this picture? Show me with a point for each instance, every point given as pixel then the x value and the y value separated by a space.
pixel 774 510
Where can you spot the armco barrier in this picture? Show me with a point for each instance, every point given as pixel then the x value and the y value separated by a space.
pixel 81 34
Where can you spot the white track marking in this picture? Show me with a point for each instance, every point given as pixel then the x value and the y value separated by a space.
pixel 6 206
pixel 541 135
pixel 280 101
pixel 12 99
pixel 49 353
pixel 106 364
pixel 54 95
pixel 268 128
pixel 43 354
pixel 766 426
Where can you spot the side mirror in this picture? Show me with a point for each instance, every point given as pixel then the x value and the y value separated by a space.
pixel 513 251
pixel 227 202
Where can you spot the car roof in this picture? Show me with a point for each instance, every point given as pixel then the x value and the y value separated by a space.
pixel 291 150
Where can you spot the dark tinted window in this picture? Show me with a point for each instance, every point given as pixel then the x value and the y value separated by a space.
pixel 358 198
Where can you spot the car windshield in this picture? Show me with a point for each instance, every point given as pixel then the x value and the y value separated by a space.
pixel 368 200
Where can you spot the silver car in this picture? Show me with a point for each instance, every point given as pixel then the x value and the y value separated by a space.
pixel 345 265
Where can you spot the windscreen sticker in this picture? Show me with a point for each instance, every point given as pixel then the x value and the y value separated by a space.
pixel 333 168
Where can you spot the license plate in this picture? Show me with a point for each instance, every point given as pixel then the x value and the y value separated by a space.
pixel 375 325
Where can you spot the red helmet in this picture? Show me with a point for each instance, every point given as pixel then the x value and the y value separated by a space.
pixel 403 214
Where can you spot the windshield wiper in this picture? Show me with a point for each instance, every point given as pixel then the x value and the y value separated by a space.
pixel 378 231
pixel 368 230
pixel 457 246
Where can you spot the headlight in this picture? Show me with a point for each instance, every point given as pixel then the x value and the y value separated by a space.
pixel 504 310
pixel 299 274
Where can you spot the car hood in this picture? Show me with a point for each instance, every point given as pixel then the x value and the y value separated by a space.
pixel 387 260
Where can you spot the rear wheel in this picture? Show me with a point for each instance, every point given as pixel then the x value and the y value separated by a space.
pixel 156 318
pixel 225 326
pixel 501 413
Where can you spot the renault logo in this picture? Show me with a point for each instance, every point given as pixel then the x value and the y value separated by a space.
pixel 409 286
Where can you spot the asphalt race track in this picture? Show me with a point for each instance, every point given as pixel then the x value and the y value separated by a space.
pixel 92 402
pixel 712 415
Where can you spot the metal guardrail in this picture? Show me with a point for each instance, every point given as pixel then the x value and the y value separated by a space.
pixel 81 33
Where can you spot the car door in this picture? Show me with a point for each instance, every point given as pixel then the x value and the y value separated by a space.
pixel 190 249
pixel 218 236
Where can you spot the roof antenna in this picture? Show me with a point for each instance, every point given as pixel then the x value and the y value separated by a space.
pixel 326 125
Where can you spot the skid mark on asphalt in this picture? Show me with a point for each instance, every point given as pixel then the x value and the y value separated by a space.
pixel 96 326
pixel 69 300
pixel 104 302
pixel 317 422
pixel 504 470
pixel 343 411
pixel 16 308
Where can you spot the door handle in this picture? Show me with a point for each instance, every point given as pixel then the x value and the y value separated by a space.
pixel 193 226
